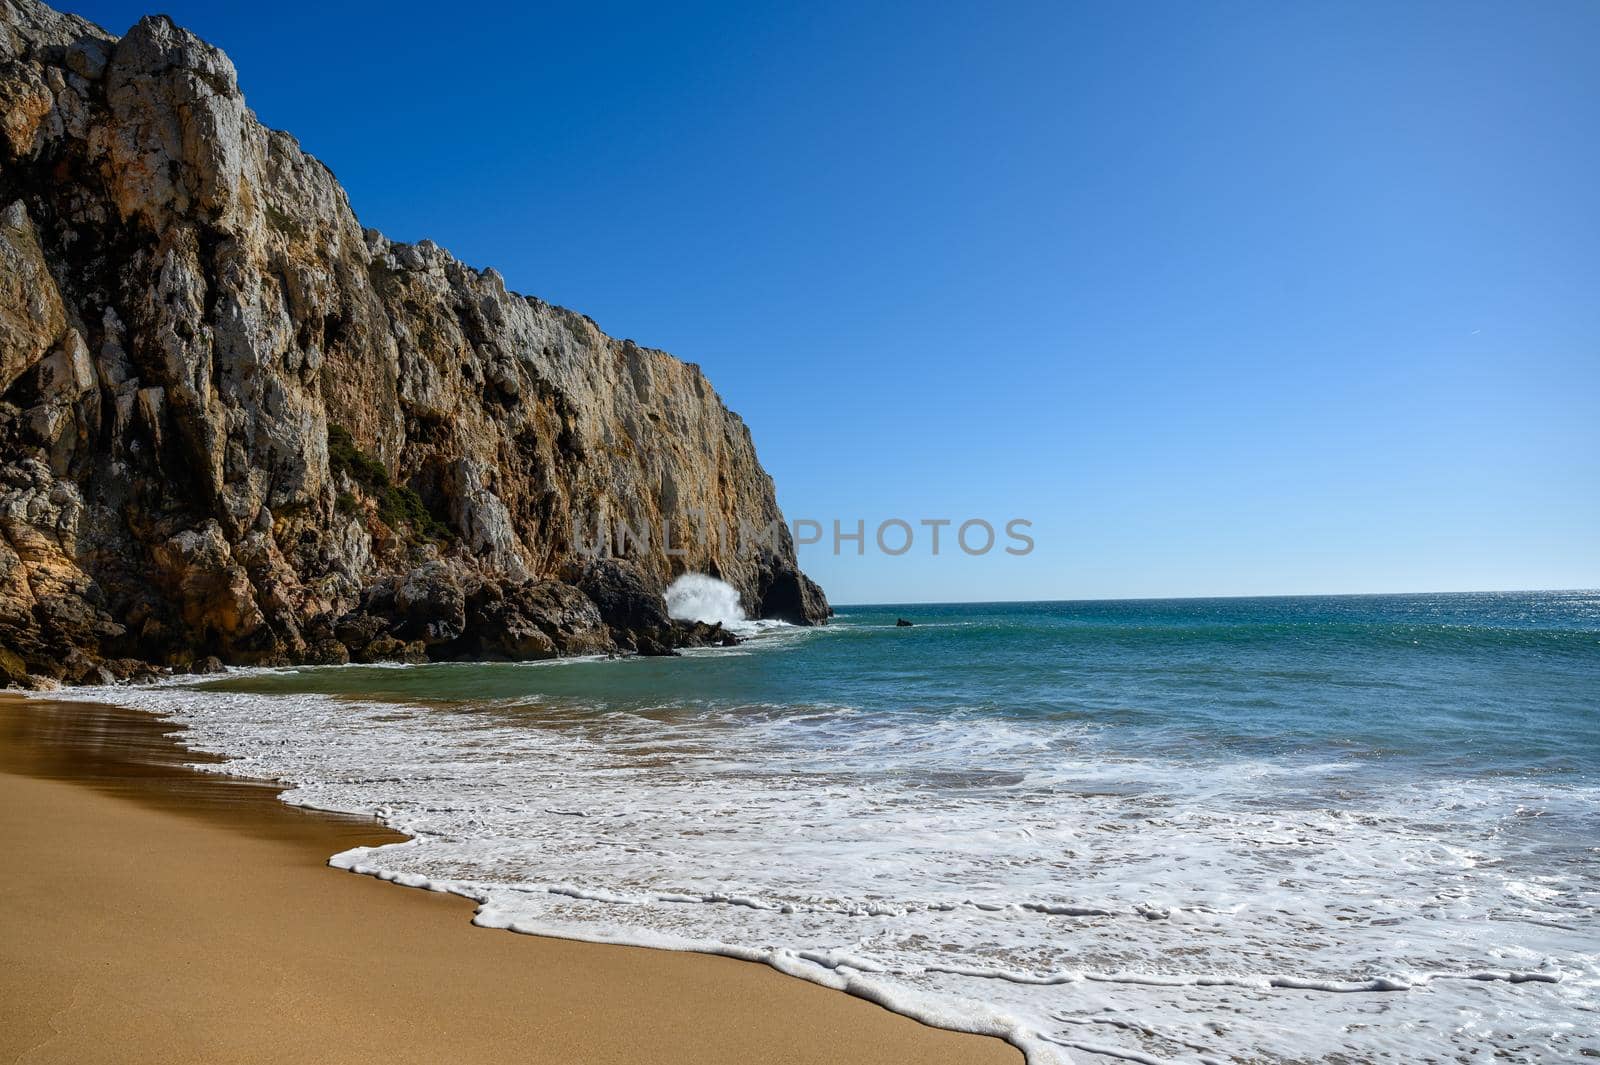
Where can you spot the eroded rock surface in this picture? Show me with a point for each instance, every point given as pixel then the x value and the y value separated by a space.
pixel 236 426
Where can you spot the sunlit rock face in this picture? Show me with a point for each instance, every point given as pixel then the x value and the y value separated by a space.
pixel 234 423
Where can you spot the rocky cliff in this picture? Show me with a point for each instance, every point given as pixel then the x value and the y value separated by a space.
pixel 235 424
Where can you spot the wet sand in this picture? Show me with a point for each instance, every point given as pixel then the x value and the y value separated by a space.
pixel 152 913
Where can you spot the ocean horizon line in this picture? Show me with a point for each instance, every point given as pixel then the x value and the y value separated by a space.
pixel 1205 598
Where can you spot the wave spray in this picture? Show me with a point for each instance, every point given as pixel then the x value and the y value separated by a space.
pixel 698 597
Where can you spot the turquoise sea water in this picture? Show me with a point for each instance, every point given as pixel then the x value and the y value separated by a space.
pixel 1502 682
pixel 1322 828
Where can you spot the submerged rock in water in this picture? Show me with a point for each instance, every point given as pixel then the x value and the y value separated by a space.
pixel 234 424
pixel 902 623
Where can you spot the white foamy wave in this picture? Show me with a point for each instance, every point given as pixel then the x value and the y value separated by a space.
pixel 698 597
pixel 999 875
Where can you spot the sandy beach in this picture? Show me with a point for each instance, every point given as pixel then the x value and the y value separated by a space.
pixel 151 913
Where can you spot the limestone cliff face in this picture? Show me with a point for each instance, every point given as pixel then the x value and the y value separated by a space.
pixel 234 423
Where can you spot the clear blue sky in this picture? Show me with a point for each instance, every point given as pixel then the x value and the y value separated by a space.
pixel 1225 298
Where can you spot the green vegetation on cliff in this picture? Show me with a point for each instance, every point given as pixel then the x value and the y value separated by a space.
pixel 398 504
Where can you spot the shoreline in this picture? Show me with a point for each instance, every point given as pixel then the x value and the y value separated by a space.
pixel 157 912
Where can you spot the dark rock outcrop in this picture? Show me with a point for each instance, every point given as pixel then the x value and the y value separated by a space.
pixel 236 425
pixel 632 607
pixel 789 595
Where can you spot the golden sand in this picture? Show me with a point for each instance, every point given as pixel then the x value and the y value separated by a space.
pixel 150 913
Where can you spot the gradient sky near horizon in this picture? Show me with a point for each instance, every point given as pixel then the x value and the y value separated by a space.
pixel 1233 298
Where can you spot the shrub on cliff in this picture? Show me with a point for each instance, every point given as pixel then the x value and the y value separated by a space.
pixel 398 504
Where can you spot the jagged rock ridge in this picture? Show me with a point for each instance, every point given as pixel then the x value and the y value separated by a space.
pixel 233 423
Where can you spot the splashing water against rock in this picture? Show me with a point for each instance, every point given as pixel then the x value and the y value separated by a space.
pixel 697 597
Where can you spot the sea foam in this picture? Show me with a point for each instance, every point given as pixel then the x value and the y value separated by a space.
pixel 1011 877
